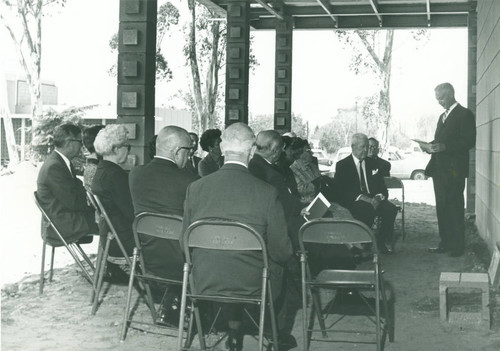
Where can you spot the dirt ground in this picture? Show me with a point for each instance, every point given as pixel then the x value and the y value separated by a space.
pixel 60 318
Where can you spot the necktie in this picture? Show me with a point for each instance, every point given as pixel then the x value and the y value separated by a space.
pixel 445 115
pixel 362 179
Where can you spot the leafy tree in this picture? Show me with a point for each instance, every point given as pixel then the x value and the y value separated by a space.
pixel 167 16
pixel 374 57
pixel 259 123
pixel 23 21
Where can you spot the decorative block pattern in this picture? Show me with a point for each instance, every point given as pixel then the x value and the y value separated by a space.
pixel 281 105
pixel 281 89
pixel 132 7
pixel 234 53
pixel 130 68
pixel 234 73
pixel 282 57
pixel 130 37
pixel 281 42
pixel 235 11
pixel 464 281
pixel 282 73
pixel 280 121
pixel 129 99
pixel 235 32
pixel 234 94
pixel 234 115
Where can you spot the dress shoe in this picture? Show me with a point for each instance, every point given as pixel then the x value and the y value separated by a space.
pixel 455 253
pixel 437 250
pixel 234 341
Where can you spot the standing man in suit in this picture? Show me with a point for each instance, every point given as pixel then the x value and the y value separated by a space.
pixel 361 189
pixel 233 193
pixel 60 193
pixel 449 166
pixel 193 160
pixel 383 166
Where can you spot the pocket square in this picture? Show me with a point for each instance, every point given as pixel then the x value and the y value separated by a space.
pixel 374 171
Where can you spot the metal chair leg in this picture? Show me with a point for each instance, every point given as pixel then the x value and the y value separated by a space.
pixel 42 273
pixel 100 275
pixel 274 326
pixel 129 296
pixel 51 274
pixel 97 270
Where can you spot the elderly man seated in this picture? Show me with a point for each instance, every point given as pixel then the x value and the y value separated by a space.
pixel 361 189
pixel 233 193
pixel 160 186
pixel 61 193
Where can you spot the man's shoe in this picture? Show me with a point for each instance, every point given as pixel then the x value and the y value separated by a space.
pixel 455 253
pixel 437 250
pixel 234 341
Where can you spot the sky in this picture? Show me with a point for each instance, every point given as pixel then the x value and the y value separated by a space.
pixel 76 57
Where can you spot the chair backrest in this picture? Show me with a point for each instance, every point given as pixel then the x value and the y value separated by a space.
pixel 158 225
pixel 331 231
pixel 103 214
pixel 220 234
pixel 393 182
pixel 47 222
pixel 92 201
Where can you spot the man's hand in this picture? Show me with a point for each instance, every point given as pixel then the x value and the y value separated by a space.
pixel 436 147
pixel 374 201
pixel 304 212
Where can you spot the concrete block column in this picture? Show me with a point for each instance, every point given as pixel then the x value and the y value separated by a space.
pixel 237 61
pixel 471 103
pixel 283 76
pixel 136 74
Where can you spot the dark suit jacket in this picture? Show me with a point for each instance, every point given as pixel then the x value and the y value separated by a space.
pixel 192 164
pixel 110 183
pixel 160 187
pixel 64 199
pixel 233 193
pixel 347 181
pixel 207 165
pixel 458 134
pixel 384 167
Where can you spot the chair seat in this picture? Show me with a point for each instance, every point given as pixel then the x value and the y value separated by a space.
pixel 345 278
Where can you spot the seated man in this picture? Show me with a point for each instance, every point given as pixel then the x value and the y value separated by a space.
pixel 160 187
pixel 361 189
pixel 60 193
pixel 233 193
pixel 193 160
pixel 383 166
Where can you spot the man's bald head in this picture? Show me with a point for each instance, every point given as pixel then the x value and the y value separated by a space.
pixel 237 142
pixel 172 142
pixel 269 145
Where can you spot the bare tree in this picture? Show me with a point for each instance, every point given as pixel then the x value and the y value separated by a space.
pixel 205 52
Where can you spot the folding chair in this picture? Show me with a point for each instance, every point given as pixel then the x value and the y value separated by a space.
pixel 103 255
pixel 396 183
pixel 327 231
pixel 73 248
pixel 149 225
pixel 218 235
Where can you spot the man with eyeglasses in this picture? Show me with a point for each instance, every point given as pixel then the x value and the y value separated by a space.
pixel 61 193
pixel 160 187
pixel 383 166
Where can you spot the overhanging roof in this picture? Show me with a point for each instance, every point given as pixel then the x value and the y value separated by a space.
pixel 331 14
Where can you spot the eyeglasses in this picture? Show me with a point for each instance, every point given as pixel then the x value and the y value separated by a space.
pixel 128 146
pixel 184 148
pixel 78 140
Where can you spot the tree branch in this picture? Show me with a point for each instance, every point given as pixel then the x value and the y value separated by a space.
pixel 371 51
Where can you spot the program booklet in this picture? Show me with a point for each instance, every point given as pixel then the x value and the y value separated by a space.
pixel 420 141
pixel 317 208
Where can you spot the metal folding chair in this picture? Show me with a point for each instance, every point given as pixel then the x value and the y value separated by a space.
pixel 327 231
pixel 150 225
pixel 218 235
pixel 103 255
pixel 396 183
pixel 73 248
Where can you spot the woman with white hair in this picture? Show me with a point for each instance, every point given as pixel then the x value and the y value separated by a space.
pixel 110 183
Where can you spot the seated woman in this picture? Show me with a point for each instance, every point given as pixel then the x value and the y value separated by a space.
pixel 306 171
pixel 210 142
pixel 89 135
pixel 111 185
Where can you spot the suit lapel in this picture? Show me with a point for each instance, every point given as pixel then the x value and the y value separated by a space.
pixel 59 159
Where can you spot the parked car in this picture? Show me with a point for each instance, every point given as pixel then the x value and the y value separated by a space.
pixel 403 166
pixel 324 162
